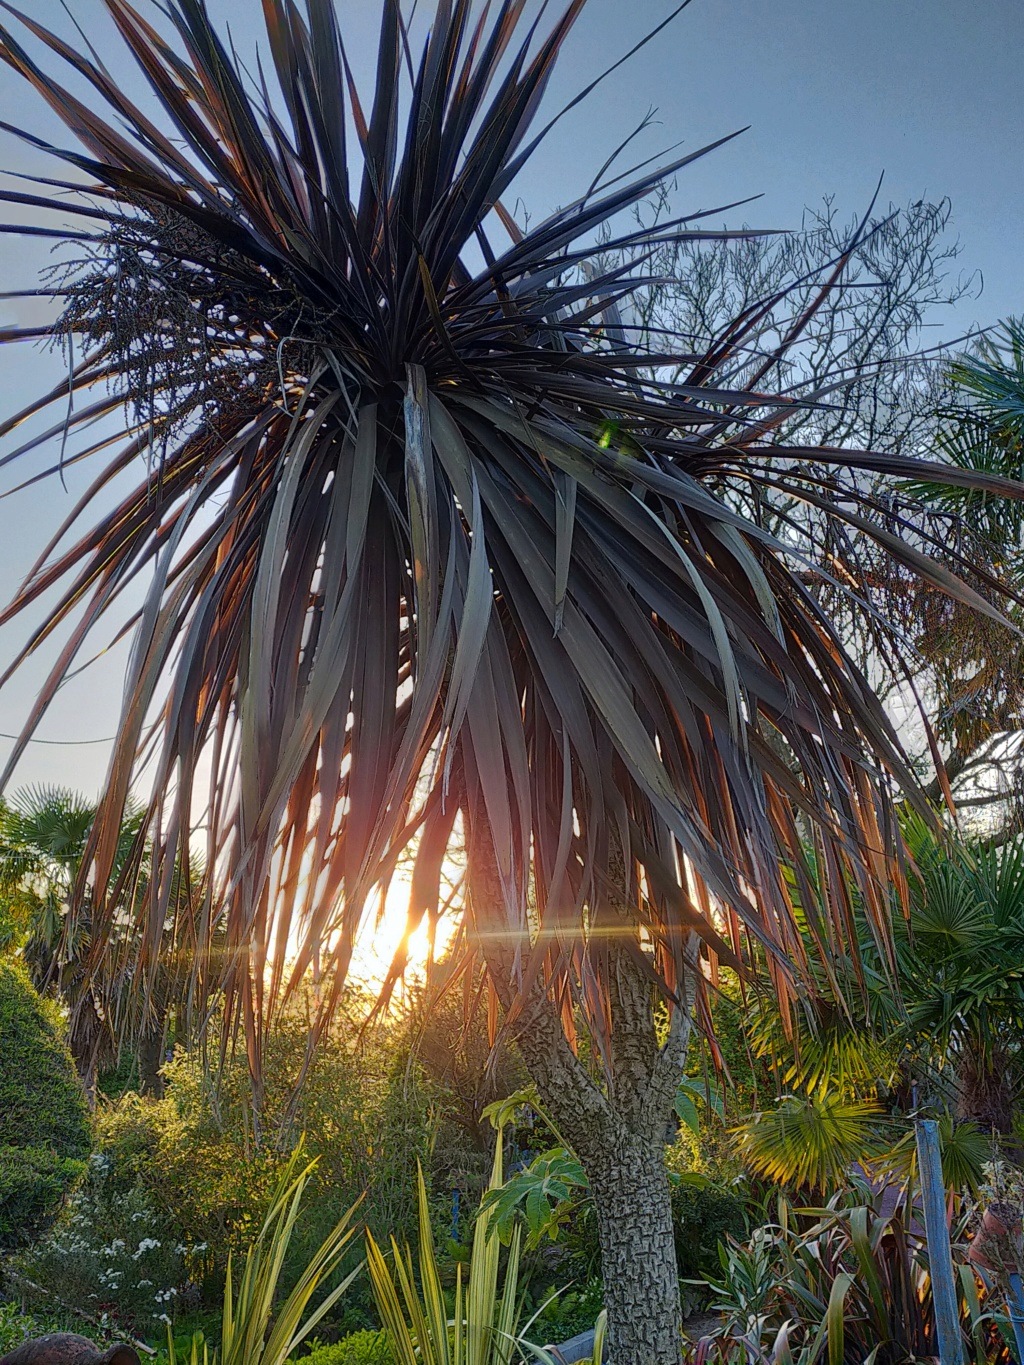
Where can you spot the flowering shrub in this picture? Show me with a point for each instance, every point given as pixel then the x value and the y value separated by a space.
pixel 111 1254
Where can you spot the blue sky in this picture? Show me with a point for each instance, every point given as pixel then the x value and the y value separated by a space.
pixel 926 91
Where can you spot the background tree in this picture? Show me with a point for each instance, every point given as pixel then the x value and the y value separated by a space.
pixel 974 670
pixel 427 545
pixel 864 296
pixel 44 832
pixel 43 835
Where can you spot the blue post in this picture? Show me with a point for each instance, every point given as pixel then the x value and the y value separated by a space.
pixel 455 1216
pixel 940 1256
pixel 1015 1303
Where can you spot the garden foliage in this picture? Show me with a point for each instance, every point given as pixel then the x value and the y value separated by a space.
pixel 260 1324
pixel 358 1348
pixel 847 1282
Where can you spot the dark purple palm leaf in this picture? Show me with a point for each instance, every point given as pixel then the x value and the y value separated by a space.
pixel 426 538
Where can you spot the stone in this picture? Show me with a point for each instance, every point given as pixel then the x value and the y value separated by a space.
pixel 65 1348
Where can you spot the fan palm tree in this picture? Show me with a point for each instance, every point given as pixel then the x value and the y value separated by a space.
pixel 976 666
pixel 44 832
pixel 434 556
pixel 945 1028
pixel 961 974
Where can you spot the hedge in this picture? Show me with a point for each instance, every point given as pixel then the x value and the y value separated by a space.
pixel 44 1119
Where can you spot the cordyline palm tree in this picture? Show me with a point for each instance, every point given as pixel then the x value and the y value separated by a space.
pixel 432 555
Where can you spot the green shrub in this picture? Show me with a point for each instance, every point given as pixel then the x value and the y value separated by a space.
pixel 33 1182
pixel 44 1120
pixel 703 1216
pixel 260 1326
pixel 16 1327
pixel 573 1311
pixel 365 1114
pixel 359 1348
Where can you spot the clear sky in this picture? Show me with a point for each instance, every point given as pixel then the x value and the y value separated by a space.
pixel 836 92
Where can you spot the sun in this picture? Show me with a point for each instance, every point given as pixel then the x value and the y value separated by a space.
pixel 384 929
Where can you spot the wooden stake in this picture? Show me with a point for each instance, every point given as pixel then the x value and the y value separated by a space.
pixel 940 1256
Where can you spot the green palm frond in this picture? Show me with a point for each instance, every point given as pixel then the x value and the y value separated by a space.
pixel 996 874
pixel 993 377
pixel 964 1150
pixel 429 549
pixel 984 431
pixel 949 915
pixel 849 1062
pixel 811 1142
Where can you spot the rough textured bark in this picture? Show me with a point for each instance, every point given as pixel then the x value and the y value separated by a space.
pixel 619 1132
pixel 638 1259
pixel 986 1092
pixel 620 1139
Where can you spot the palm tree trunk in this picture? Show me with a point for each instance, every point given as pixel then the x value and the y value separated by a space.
pixel 150 1059
pixel 638 1258
pixel 620 1139
pixel 618 1126
pixel 85 1036
pixel 985 1087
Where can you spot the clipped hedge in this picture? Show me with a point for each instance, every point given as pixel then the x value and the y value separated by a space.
pixel 44 1119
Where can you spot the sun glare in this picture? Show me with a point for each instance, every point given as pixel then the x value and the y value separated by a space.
pixel 383 932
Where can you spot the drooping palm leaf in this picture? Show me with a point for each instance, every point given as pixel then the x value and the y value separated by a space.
pixel 424 536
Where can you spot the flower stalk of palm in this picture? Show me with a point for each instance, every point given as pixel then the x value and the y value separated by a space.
pixel 431 553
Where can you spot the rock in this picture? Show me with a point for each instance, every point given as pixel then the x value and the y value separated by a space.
pixel 65 1348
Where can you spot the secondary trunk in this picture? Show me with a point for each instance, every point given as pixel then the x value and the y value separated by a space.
pixel 641 1287
pixel 150 1059
pixel 986 1092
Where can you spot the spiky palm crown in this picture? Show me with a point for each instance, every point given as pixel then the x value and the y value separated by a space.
pixel 424 537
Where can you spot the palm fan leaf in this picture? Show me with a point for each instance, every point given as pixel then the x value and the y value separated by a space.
pixel 811 1142
pixel 429 549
